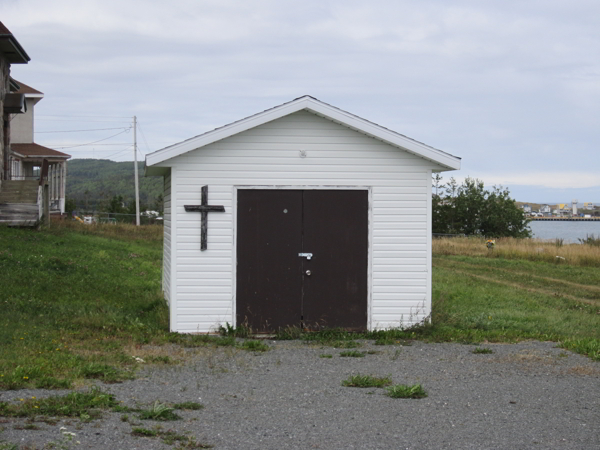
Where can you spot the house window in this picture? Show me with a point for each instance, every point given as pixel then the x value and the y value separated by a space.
pixel 36 171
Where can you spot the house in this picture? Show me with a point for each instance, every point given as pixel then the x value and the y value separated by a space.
pixel 19 200
pixel 545 209
pixel 526 209
pixel 301 215
pixel 11 103
pixel 26 156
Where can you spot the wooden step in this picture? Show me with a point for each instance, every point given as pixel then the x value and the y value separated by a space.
pixel 19 214
pixel 19 191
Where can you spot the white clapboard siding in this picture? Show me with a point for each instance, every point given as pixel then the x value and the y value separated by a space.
pixel 166 280
pixel 269 156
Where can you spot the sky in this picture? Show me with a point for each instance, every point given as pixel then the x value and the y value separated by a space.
pixel 511 87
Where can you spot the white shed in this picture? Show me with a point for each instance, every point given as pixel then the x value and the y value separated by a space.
pixel 301 215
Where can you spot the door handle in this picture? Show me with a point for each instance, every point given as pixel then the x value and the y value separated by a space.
pixel 305 255
pixel 308 272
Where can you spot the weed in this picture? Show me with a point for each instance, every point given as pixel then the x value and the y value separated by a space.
pixel 104 372
pixel 254 346
pixel 159 359
pixel 342 344
pixel 482 351
pixel 75 404
pixel 145 432
pixel 159 411
pixel 188 405
pixel 243 331
pixel 325 355
pixel 590 240
pixel 170 437
pixel 289 333
pixel 27 426
pixel 392 341
pixel 367 381
pixel 8 446
pixel 191 443
pixel 352 354
pixel 405 391
pixel 396 354
pixel 588 347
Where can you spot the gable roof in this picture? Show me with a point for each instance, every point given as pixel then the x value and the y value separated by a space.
pixel 317 107
pixel 28 90
pixel 10 47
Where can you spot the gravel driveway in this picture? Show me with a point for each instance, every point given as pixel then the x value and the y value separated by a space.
pixel 523 396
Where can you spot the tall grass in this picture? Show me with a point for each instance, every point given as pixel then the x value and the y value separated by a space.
pixel 553 251
pixel 121 231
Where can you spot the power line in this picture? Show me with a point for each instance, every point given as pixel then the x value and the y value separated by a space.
pixel 119 152
pixel 144 137
pixel 80 120
pixel 73 115
pixel 79 131
pixel 100 140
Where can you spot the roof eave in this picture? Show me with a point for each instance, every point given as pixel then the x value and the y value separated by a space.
pixel 446 160
pixel 12 50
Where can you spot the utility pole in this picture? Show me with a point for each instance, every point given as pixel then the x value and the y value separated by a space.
pixel 137 188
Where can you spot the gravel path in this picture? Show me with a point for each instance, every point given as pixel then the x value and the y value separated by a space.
pixel 523 396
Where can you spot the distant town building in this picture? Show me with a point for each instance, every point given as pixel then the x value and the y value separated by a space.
pixel 527 208
pixel 588 205
pixel 545 209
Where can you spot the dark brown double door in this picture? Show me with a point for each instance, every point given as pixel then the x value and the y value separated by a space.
pixel 302 258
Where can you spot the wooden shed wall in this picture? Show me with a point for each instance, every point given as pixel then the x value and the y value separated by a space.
pixel 202 284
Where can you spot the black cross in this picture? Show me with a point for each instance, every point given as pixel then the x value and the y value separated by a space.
pixel 204 209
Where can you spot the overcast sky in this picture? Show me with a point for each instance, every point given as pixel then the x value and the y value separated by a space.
pixel 511 87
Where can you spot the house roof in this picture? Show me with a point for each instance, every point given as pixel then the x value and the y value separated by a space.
pixel 10 47
pixel 27 90
pixel 317 107
pixel 37 151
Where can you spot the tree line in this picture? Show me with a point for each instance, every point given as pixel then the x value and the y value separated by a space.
pixel 471 209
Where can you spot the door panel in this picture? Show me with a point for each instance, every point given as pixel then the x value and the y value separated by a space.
pixel 269 237
pixel 273 287
pixel 335 231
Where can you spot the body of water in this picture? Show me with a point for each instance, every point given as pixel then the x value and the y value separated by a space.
pixel 569 231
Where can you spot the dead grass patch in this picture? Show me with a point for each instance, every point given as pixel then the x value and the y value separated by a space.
pixel 529 249
pixel 584 371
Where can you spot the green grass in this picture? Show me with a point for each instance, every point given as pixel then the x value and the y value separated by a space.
pixel 366 381
pixel 352 354
pixel 254 346
pixel 85 405
pixel 477 299
pixel 159 411
pixel 482 351
pixel 144 432
pixel 77 301
pixel 405 391
pixel 192 406
pixel 169 437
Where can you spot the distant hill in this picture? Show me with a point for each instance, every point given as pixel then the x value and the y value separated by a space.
pixel 90 182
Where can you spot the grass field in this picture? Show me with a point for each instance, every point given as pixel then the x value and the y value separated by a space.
pixel 84 302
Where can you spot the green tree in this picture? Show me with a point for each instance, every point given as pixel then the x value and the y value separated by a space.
pixel 472 210
pixel 70 206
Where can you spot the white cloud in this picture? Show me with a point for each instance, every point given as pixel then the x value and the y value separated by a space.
pixel 554 180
